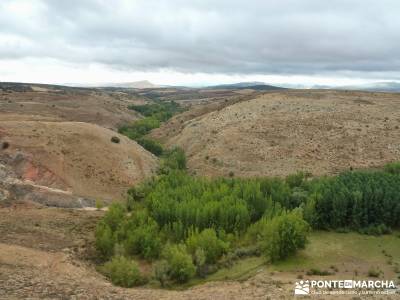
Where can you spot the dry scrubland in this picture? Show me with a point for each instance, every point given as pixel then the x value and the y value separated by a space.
pixel 56 145
pixel 279 133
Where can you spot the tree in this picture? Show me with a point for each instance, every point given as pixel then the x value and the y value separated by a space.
pixel 160 271
pixel 180 263
pixel 114 216
pixel 207 241
pixel 122 271
pixel 283 235
pixel 104 239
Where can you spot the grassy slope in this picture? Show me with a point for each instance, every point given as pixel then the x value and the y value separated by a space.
pixel 345 250
pixel 352 254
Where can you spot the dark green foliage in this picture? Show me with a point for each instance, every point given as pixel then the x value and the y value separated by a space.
pixel 376 229
pixel 393 168
pixel 115 139
pixel 180 265
pixel 295 180
pixel 161 110
pixel 374 272
pixel 358 200
pixel 155 114
pixel 122 271
pixel 318 272
pixel 207 241
pixel 151 146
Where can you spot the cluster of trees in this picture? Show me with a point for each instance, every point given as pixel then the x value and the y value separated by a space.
pixel 161 111
pixel 154 114
pixel 189 226
pixel 365 201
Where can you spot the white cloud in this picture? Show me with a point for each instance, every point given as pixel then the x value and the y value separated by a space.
pixel 199 41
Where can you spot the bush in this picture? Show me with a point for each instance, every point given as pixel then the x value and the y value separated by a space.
pixel 139 128
pixel 115 139
pixel 283 235
pixel 104 239
pixel 174 159
pixel 295 180
pixel 114 216
pixel 200 262
pixel 5 145
pixel 122 271
pixel 393 168
pixel 151 146
pixel 376 230
pixel 99 204
pixel 207 241
pixel 372 272
pixel 144 240
pixel 180 265
pixel 318 272
pixel 160 271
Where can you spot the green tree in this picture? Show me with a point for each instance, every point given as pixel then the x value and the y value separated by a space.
pixel 104 239
pixel 207 241
pixel 180 263
pixel 283 235
pixel 122 271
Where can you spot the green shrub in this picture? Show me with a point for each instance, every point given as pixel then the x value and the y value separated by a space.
pixel 151 146
pixel 160 271
pixel 393 168
pixel 139 128
pixel 144 241
pixel 376 230
pixel 283 235
pixel 180 264
pixel 200 261
pixel 114 216
pixel 140 234
pixel 207 241
pixel 122 271
pixel 173 159
pixel 295 180
pixel 99 204
pixel 104 239
pixel 318 272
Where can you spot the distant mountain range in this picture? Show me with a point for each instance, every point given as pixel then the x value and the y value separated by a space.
pixel 143 84
pixel 254 85
pixel 390 86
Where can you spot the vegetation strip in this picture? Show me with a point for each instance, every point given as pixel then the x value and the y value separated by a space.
pixel 192 226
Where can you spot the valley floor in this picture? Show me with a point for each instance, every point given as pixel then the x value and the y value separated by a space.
pixel 47 253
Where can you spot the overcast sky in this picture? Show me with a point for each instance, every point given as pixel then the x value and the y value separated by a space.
pixel 200 41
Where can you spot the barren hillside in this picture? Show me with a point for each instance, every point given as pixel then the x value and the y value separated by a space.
pixel 27 103
pixel 55 162
pixel 278 133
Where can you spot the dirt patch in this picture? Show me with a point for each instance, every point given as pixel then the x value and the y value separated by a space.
pixel 76 158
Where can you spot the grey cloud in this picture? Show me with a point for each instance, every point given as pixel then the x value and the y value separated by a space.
pixel 244 37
